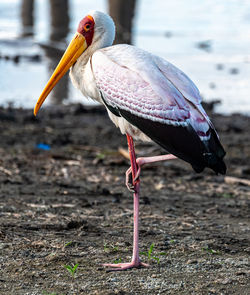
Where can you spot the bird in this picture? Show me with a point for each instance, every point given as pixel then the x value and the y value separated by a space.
pixel 146 97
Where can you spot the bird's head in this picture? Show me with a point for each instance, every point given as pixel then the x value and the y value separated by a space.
pixel 95 31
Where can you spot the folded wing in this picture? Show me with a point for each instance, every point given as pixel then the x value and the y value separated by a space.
pixel 161 101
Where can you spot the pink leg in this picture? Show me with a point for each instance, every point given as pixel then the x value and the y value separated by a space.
pixel 135 262
pixel 142 161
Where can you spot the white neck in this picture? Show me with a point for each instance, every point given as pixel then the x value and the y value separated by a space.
pixel 104 35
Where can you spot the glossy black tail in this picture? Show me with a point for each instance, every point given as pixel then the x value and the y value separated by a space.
pixel 214 154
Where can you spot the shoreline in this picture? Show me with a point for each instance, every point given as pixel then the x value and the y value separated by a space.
pixel 63 201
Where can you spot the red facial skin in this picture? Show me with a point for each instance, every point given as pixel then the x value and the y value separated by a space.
pixel 86 28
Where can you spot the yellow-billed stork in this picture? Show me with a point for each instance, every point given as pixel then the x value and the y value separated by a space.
pixel 145 96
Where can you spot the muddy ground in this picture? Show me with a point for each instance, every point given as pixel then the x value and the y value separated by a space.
pixel 68 205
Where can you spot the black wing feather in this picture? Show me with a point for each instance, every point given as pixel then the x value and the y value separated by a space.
pixel 182 142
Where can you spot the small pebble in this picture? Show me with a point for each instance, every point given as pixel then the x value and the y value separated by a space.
pixel 226 281
pixel 192 261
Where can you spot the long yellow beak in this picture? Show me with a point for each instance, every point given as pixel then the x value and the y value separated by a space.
pixel 76 47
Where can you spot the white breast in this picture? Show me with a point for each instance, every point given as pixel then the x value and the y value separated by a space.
pixel 82 77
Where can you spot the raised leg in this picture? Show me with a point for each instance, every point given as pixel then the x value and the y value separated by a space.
pixel 140 162
pixel 135 262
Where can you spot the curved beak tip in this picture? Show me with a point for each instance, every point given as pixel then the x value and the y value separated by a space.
pixel 36 109
pixel 76 47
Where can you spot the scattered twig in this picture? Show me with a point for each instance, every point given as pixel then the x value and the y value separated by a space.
pixel 124 153
pixel 6 171
pixel 236 180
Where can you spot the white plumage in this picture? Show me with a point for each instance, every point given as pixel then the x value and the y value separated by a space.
pixel 146 97
pixel 139 82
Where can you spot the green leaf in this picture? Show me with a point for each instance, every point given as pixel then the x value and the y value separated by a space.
pixel 100 156
pixel 151 250
pixel 71 270
pixel 118 260
pixel 68 267
pixel 75 267
pixel 68 244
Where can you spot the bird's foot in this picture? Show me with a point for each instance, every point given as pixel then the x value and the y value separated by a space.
pixel 140 162
pixel 124 266
pixel 130 182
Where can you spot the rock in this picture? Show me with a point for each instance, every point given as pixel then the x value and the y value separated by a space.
pixel 192 261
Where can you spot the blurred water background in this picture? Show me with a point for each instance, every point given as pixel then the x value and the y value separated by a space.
pixel 209 40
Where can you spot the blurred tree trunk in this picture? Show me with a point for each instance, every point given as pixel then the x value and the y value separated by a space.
pixel 59 11
pixel 59 29
pixel 27 16
pixel 122 12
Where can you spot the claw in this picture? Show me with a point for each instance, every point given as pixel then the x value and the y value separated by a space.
pixel 124 266
pixel 131 187
pixel 129 182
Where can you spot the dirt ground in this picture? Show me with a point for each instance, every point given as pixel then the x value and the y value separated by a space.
pixel 65 203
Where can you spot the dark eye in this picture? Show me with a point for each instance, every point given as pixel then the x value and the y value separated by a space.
pixel 87 27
